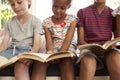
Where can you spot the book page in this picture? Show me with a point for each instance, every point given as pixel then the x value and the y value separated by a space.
pixel 42 57
pixel 60 55
pixel 95 48
pixel 89 46
pixel 35 56
pixel 3 60
pixel 111 42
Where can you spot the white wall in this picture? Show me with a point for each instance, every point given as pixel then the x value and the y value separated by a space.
pixel 43 8
pixel 0 13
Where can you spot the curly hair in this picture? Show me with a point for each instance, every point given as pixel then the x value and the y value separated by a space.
pixel 69 1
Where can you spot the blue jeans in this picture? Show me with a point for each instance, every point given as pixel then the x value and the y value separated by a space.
pixel 14 50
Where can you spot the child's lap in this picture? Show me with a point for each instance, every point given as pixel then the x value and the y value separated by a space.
pixel 9 52
pixel 100 60
pixel 86 52
pixel 70 49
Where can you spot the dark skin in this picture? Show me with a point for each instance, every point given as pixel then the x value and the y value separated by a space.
pixel 59 8
pixel 118 25
pixel 100 5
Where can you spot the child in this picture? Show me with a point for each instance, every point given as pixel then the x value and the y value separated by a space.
pixel 59 31
pixel 24 30
pixel 96 26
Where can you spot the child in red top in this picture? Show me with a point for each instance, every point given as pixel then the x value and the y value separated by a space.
pixel 96 26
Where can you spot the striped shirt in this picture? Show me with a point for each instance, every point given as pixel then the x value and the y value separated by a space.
pixel 97 27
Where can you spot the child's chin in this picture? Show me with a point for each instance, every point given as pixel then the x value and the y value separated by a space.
pixel 57 17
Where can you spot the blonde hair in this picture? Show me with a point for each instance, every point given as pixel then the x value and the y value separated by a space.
pixel 28 5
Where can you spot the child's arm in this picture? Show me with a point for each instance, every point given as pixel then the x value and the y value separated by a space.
pixel 49 44
pixel 36 43
pixel 118 26
pixel 69 36
pixel 80 27
pixel 81 35
pixel 5 42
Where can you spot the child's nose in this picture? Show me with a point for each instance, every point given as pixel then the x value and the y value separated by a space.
pixel 16 5
pixel 58 10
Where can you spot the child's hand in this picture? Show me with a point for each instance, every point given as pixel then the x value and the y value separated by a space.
pixel 27 62
pixel 50 52
pixel 52 61
pixel 112 46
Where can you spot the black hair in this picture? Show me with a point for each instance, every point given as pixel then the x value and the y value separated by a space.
pixel 29 4
pixel 69 1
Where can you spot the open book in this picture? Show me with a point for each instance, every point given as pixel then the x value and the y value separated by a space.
pixel 42 57
pixel 98 47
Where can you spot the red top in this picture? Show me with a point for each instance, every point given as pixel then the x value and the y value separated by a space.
pixel 97 27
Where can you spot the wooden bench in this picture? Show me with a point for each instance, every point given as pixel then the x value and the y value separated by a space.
pixel 53 73
pixel 53 70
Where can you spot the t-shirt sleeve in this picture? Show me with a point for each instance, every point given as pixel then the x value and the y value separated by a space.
pixel 72 17
pixel 116 12
pixel 44 23
pixel 80 18
pixel 47 22
pixel 7 30
pixel 38 29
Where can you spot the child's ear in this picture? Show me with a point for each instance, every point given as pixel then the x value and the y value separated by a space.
pixel 29 3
